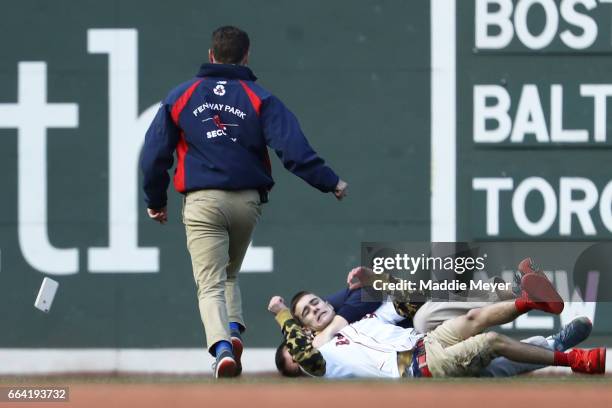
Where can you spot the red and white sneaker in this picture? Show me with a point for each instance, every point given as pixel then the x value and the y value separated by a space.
pixel 237 348
pixel 539 293
pixel 588 361
pixel 225 365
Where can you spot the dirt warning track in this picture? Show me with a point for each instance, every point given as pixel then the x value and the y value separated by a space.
pixel 458 394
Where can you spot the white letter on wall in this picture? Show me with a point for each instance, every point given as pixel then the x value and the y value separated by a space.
pixel 580 207
pixel 497 112
pixel 519 201
pixel 492 186
pixel 126 136
pixel 32 115
pixel 501 19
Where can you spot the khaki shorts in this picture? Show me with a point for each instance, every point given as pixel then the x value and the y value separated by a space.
pixel 448 355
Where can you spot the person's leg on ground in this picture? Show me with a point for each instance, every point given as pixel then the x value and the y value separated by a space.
pixel 504 367
pixel 580 360
pixel 570 335
pixel 468 357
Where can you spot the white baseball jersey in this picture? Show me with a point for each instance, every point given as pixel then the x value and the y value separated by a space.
pixel 368 348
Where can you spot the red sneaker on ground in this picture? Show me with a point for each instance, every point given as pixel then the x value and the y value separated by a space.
pixel 540 294
pixel 588 361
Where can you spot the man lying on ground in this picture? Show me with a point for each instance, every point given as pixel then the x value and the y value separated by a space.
pixel 431 315
pixel 375 347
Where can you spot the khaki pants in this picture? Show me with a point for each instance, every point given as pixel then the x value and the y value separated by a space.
pixel 219 225
pixel 449 355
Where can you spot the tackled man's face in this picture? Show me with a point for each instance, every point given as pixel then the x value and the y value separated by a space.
pixel 314 312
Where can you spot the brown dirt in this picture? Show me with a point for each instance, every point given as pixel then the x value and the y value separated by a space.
pixel 312 394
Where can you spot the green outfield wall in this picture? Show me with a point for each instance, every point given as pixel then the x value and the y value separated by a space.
pixel 80 81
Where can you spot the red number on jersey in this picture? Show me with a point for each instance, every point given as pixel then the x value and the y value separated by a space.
pixel 341 340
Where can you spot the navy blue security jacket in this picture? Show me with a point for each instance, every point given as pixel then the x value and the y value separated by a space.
pixel 220 124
